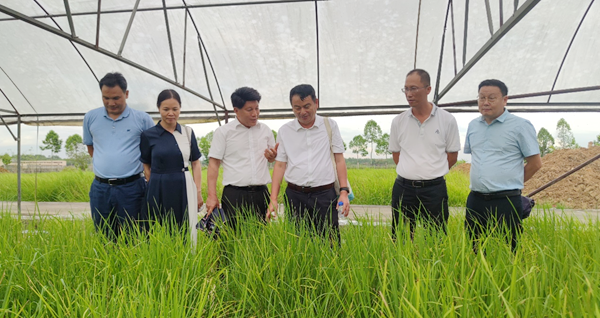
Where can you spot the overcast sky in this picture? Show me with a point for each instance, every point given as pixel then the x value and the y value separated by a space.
pixel 585 128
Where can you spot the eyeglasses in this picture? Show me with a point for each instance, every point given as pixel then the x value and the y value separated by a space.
pixel 412 89
pixel 490 99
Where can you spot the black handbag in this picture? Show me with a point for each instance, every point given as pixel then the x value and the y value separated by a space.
pixel 209 224
pixel 528 204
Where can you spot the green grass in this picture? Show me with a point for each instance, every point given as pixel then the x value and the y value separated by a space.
pixel 63 268
pixel 370 186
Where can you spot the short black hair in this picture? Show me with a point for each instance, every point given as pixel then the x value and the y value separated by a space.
pixel 167 94
pixel 243 95
pixel 425 78
pixel 497 83
pixel 114 79
pixel 303 90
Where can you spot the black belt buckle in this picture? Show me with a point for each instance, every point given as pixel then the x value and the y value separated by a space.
pixel 113 181
pixel 422 183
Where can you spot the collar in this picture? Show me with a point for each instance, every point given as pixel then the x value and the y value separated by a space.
pixel 124 114
pixel 434 109
pixel 237 124
pixel 161 129
pixel 499 119
pixel 319 122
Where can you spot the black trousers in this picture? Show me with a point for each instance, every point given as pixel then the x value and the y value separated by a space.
pixel 428 204
pixel 241 203
pixel 316 210
pixel 501 215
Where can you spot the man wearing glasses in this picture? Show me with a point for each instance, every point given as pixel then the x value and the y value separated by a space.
pixel 424 142
pixel 498 141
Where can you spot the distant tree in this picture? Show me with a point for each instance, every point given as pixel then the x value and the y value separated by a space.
pixel 6 159
pixel 345 146
pixel 383 145
pixel 77 151
pixel 204 145
pixel 52 142
pixel 358 145
pixel 565 135
pixel 597 141
pixel 372 134
pixel 546 142
pixel 274 135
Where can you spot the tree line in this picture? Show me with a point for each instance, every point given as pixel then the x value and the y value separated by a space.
pixel 564 138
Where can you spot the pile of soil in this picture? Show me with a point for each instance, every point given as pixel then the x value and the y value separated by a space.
pixel 581 190
pixel 3 170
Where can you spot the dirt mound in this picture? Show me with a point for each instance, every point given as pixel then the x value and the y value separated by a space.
pixel 3 170
pixel 463 167
pixel 581 190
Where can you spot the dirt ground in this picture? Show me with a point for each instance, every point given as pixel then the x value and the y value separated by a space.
pixel 581 190
pixel 3 170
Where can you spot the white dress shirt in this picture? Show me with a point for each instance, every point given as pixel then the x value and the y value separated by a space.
pixel 306 151
pixel 423 146
pixel 242 153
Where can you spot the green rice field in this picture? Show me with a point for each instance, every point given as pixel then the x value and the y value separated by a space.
pixel 371 186
pixel 63 268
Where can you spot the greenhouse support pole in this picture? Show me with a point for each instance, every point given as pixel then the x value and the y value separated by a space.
pixel 19 164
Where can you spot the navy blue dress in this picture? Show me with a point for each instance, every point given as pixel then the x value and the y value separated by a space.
pixel 166 198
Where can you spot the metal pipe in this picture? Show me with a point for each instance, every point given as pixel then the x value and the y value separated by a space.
pixel 192 6
pixel 317 40
pixel 501 13
pixel 488 11
pixel 417 34
pixel 510 23
pixel 70 18
pixel 528 95
pixel 570 172
pixel 466 28
pixel 453 36
pixel 439 70
pixel 19 165
pixel 63 34
pixel 185 18
pixel 206 78
pixel 569 47
pixel 98 24
pixel 170 42
pixel 135 7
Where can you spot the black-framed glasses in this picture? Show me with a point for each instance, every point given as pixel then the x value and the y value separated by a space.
pixel 490 99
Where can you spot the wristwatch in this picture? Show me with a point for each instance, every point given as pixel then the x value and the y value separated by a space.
pixel 345 189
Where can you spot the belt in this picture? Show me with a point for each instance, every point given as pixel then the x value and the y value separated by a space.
pixel 420 183
pixel 119 181
pixel 497 195
pixel 309 189
pixel 253 188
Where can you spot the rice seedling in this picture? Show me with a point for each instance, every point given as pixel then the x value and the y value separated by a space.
pixel 55 267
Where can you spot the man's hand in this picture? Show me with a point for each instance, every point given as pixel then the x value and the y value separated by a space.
pixel 344 199
pixel 212 202
pixel 272 210
pixel 270 154
pixel 200 200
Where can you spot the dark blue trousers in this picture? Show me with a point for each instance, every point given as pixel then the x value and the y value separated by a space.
pixel 315 210
pixel 116 206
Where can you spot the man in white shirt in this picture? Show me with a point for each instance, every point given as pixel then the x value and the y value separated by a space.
pixel 243 146
pixel 304 157
pixel 424 142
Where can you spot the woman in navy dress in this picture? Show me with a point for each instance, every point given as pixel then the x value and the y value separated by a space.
pixel 165 151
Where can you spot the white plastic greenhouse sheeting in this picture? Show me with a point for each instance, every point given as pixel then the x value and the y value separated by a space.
pixel 365 50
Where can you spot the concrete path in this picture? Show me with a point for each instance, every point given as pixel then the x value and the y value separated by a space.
pixel 381 213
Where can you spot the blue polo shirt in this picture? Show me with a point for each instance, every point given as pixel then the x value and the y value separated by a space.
pixel 497 152
pixel 116 141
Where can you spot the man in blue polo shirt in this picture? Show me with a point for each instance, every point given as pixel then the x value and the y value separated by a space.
pixel 498 141
pixel 112 135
